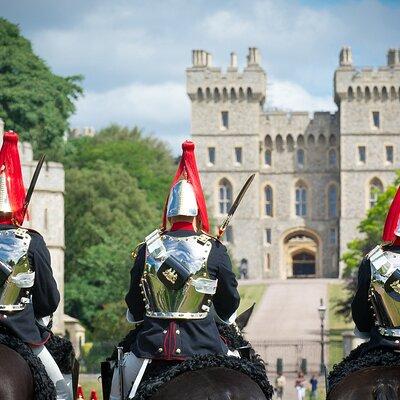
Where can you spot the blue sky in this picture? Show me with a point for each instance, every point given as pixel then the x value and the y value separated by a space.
pixel 133 54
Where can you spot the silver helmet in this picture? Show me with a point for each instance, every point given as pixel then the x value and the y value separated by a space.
pixel 5 207
pixel 182 200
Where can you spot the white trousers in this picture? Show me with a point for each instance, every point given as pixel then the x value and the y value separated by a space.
pixel 62 383
pixel 131 368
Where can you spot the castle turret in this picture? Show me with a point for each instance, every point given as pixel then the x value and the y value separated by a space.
pixel 226 109
pixel 368 102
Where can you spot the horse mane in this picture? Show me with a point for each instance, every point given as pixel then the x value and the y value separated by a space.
pixel 43 386
pixel 160 373
pixel 363 357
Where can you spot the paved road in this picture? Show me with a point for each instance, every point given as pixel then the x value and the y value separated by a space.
pixel 288 325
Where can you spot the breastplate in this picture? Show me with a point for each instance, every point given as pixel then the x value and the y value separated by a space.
pixel 385 290
pixel 16 275
pixel 175 282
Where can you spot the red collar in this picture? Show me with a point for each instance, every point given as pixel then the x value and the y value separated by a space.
pixel 182 226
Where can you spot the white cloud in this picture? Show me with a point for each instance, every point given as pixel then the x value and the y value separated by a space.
pixel 138 104
pixel 291 96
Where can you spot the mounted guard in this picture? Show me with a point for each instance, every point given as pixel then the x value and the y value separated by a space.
pixel 376 305
pixel 181 280
pixel 28 290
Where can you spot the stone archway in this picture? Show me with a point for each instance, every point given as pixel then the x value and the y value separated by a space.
pixel 301 254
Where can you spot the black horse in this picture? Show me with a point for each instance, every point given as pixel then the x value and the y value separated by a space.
pixel 367 374
pixel 22 375
pixel 210 377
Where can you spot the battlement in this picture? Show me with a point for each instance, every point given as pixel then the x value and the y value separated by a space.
pixel 369 84
pixel 208 83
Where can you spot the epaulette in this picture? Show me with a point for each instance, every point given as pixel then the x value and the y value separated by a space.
pixel 209 236
pixel 135 251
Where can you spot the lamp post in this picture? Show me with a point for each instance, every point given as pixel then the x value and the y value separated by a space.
pixel 322 312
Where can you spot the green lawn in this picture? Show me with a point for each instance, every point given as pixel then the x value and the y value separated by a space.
pixel 250 294
pixel 337 325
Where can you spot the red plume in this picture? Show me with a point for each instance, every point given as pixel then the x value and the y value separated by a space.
pixel 187 169
pixel 392 219
pixel 80 393
pixel 9 158
pixel 93 395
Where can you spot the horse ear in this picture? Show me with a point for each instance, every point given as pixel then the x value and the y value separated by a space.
pixel 243 319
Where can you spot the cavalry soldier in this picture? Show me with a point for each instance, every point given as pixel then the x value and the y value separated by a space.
pixel 376 305
pixel 178 276
pixel 28 291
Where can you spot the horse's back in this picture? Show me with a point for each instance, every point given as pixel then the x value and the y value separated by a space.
pixel 211 384
pixel 16 381
pixel 372 383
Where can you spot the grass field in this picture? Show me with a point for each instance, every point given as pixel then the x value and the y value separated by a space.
pixel 250 294
pixel 337 325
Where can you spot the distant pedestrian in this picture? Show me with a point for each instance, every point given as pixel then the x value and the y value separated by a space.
pixel 243 268
pixel 280 383
pixel 314 387
pixel 300 386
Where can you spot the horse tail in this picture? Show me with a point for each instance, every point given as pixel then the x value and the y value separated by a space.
pixel 385 391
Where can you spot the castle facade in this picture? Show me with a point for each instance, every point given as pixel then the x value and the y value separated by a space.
pixel 315 177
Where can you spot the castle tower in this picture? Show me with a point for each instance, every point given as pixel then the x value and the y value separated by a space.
pixel 369 105
pixel 225 115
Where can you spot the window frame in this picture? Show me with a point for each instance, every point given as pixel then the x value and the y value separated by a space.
pixel 268 203
pixel 359 161
pixel 209 162
pixel 298 151
pixel 329 201
pixel 236 153
pixel 301 204
pixel 225 201
pixel 387 161
pixel 373 115
pixel 224 127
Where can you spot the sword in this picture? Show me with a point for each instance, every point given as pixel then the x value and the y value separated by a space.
pixel 33 184
pixel 234 206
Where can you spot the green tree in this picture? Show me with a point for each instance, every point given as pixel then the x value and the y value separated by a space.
pixel 146 159
pixel 370 229
pixel 106 216
pixel 33 101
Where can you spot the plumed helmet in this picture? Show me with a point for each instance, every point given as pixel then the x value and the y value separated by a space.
pixel 392 223
pixel 12 190
pixel 182 200
pixel 186 195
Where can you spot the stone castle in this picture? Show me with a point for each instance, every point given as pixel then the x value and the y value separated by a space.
pixel 315 177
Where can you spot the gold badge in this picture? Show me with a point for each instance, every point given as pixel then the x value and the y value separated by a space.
pixel 396 286
pixel 170 275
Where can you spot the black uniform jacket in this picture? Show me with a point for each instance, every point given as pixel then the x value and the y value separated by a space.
pixel 180 339
pixel 361 306
pixel 45 295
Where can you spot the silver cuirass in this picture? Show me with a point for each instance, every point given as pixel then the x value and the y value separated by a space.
pixel 385 290
pixel 16 275
pixel 175 282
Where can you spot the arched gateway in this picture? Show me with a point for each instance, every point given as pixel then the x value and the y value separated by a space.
pixel 301 254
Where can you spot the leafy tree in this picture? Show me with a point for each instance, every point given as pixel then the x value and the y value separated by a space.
pixel 146 159
pixel 106 216
pixel 33 101
pixel 370 228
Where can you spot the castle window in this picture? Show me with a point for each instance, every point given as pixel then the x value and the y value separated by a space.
pixel 211 155
pixel 332 236
pixel 362 154
pixel 268 201
pixel 300 158
pixel 375 188
pixel 238 155
pixel 268 236
pixel 375 119
pixel 229 234
pixel 267 264
pixel 301 200
pixel 332 201
pixel 389 154
pixel 268 157
pixel 332 158
pixel 224 120
pixel 225 196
